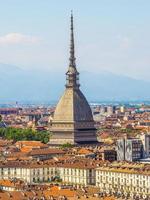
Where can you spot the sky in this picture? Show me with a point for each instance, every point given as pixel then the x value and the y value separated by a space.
pixel 110 35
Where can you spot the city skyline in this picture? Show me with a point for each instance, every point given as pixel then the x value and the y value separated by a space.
pixel 74 100
pixel 110 36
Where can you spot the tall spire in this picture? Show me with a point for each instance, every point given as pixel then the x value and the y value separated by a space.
pixel 72 75
pixel 72 56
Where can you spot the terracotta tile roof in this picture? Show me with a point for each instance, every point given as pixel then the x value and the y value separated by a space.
pixel 6 183
pixel 9 183
pixel 26 149
pixel 46 191
pixel 109 198
pixel 27 153
pixel 84 151
pixel 17 195
pixel 104 135
pixel 31 143
pixel 4 143
pixel 56 191
pixel 46 151
pixel 70 163
pixel 17 155
pixel 127 167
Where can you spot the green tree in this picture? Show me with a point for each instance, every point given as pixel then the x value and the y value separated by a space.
pixel 24 134
pixel 66 145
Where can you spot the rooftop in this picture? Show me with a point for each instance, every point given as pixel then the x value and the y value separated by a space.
pixel 126 167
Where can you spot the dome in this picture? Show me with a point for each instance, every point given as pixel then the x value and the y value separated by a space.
pixel 73 106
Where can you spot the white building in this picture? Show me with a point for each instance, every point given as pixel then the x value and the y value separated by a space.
pixel 78 176
pixel 125 179
pixel 77 173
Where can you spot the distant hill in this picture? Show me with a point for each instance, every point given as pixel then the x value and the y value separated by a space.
pixel 21 85
pixel 108 86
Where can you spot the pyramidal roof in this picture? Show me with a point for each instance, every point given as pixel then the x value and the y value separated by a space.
pixel 73 106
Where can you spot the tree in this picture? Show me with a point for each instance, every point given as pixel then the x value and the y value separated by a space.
pixel 16 134
pixel 66 145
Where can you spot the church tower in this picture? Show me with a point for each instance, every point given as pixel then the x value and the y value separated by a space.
pixel 73 121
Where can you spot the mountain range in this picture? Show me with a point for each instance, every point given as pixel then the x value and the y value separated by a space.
pixel 39 85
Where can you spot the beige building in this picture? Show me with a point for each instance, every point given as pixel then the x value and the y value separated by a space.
pixel 75 172
pixel 125 179
pixel 84 175
pixel 121 178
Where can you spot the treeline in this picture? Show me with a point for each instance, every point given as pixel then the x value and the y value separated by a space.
pixel 16 134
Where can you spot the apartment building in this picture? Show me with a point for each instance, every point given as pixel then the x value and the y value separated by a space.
pixel 128 179
pixel 78 172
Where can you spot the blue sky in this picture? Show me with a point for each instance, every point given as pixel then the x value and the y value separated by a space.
pixel 110 35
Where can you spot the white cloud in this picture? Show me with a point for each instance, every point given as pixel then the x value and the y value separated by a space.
pixel 18 38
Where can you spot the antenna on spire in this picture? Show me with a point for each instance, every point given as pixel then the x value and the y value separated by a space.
pixel 72 56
